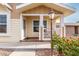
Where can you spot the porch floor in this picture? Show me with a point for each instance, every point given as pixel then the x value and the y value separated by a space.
pixel 34 40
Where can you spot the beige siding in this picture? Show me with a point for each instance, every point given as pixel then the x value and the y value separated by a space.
pixel 15 13
pixel 39 10
pixel 3 8
pixel 15 34
pixel 70 30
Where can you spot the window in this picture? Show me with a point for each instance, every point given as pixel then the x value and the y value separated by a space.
pixel 36 26
pixel 3 23
pixel 57 26
pixel 76 29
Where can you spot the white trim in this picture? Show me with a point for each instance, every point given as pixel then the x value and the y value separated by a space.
pixel 39 14
pixel 34 14
pixel 65 6
pixel 8 24
pixel 41 18
pixel 61 5
pixel 38 20
pixel 64 31
pixel 33 25
pixel 61 23
pixel 6 5
pixel 25 29
pixel 22 5
pixel 21 27
pixel 41 25
pixel 72 24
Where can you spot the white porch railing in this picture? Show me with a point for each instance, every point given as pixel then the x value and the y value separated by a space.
pixel 47 33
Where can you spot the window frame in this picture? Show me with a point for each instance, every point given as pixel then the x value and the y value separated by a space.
pixel 33 25
pixel 7 23
pixel 76 29
pixel 4 23
pixel 57 25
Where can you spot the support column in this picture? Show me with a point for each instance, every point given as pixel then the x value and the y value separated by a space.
pixel 41 28
pixel 62 25
pixel 22 28
pixel 64 31
pixel 53 26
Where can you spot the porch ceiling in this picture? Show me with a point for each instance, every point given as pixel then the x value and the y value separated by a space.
pixel 55 7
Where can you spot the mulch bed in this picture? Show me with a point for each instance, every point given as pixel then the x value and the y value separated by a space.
pixel 5 52
pixel 46 52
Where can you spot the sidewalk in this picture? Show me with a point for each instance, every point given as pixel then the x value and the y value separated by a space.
pixel 23 53
pixel 26 45
pixel 25 48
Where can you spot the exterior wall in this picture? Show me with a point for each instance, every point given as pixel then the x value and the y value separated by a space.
pixel 29 25
pixel 38 10
pixel 14 32
pixel 70 30
pixel 13 26
pixel 78 29
pixel 2 8
pixel 15 14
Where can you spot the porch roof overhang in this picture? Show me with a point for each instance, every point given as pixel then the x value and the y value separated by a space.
pixel 6 5
pixel 71 24
pixel 58 7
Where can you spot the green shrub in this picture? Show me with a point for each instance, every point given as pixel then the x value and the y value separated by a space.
pixel 69 47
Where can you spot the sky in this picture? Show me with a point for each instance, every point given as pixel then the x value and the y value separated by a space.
pixel 75 16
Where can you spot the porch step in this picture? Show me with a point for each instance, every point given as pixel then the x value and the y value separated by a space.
pixel 34 40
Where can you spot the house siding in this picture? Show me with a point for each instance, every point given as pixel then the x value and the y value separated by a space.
pixel 38 10
pixel 70 30
pixel 15 34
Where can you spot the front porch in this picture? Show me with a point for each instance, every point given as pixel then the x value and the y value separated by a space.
pixel 37 28
pixel 36 24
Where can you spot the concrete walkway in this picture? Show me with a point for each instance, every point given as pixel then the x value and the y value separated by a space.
pixel 26 45
pixel 23 53
pixel 25 48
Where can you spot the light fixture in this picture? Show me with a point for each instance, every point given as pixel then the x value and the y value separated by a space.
pixel 51 14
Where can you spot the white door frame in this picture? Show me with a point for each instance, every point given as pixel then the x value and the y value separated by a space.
pixel 22 27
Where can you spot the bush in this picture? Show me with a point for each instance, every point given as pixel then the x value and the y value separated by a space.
pixel 69 47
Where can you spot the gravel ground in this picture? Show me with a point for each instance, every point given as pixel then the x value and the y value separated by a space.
pixel 38 52
pixel 5 52
pixel 46 52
